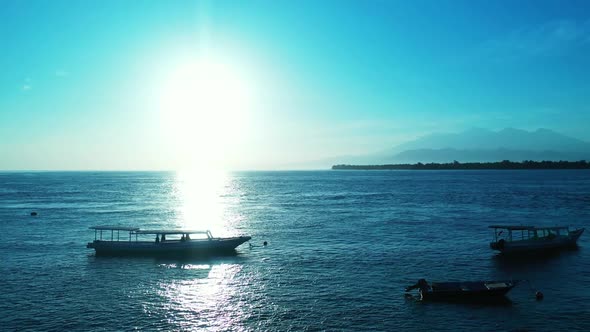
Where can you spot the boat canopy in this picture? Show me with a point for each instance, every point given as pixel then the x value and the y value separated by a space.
pixel 115 228
pixel 176 231
pixel 526 228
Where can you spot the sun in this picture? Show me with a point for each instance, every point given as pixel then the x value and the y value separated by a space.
pixel 204 107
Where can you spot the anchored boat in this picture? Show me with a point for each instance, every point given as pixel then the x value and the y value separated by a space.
pixel 463 291
pixel 520 239
pixel 166 242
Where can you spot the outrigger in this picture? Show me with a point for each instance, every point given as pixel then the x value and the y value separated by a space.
pixel 133 242
pixel 520 239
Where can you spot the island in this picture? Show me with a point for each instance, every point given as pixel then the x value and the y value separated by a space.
pixel 501 165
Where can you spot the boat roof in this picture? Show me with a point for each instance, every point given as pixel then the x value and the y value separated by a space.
pixel 525 228
pixel 171 231
pixel 114 228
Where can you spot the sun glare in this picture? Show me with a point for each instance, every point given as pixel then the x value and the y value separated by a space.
pixel 204 198
pixel 204 108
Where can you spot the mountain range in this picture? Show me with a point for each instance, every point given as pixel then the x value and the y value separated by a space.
pixel 480 145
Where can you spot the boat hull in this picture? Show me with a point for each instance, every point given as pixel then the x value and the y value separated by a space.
pixel 536 245
pixel 168 248
pixel 468 291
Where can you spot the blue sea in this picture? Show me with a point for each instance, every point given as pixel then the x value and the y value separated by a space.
pixel 342 246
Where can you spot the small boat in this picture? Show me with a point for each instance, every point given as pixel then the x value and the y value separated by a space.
pixel 178 243
pixel 463 291
pixel 522 239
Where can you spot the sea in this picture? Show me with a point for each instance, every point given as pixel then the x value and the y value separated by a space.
pixel 341 248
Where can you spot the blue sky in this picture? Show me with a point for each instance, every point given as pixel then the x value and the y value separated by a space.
pixel 82 83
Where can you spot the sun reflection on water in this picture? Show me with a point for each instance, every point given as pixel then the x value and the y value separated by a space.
pixel 209 302
pixel 204 201
pixel 202 294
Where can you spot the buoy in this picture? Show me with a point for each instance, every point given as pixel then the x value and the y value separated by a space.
pixel 33 213
pixel 539 295
pixel 264 243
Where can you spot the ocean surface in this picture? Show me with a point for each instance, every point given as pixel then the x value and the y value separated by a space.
pixel 342 246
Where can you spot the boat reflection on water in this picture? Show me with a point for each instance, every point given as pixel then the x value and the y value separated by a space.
pixel 501 301
pixel 530 262
pixel 198 262
pixel 209 298
pixel 178 294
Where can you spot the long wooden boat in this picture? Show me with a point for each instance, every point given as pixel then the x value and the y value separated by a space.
pixel 165 243
pixel 522 239
pixel 464 290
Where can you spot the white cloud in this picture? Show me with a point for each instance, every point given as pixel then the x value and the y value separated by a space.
pixel 27 84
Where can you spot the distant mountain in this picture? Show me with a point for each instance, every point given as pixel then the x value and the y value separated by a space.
pixel 491 155
pixel 481 145
pixel 509 139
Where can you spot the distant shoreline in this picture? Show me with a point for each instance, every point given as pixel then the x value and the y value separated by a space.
pixel 500 165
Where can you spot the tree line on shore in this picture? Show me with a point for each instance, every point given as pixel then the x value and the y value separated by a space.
pixel 505 164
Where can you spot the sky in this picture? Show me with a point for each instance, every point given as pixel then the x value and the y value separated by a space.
pixel 164 85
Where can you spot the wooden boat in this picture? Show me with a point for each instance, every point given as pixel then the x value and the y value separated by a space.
pixel 463 291
pixel 521 239
pixel 178 243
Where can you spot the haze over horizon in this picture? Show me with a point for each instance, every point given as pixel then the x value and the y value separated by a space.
pixel 132 85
